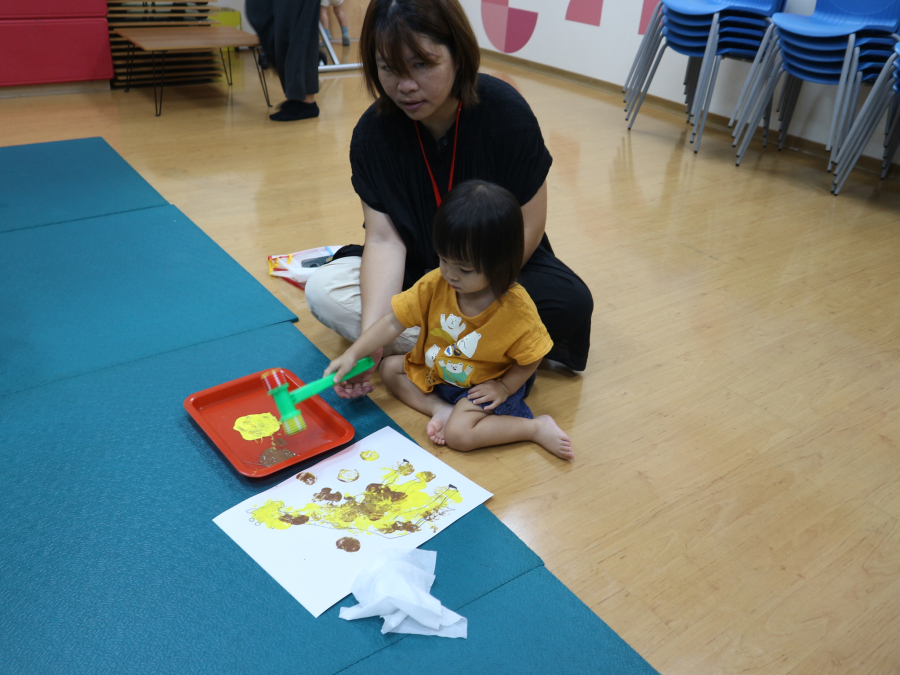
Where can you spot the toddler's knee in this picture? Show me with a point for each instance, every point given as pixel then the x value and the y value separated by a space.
pixel 458 436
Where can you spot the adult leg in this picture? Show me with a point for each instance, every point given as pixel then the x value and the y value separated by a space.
pixel 469 428
pixel 396 380
pixel 334 300
pixel 564 303
pixel 297 57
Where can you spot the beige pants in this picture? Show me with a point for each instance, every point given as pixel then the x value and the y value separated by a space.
pixel 333 298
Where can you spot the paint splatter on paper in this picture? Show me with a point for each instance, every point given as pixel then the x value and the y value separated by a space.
pixel 369 455
pixel 390 509
pixel 254 427
pixel 348 475
pixel 301 530
pixel 348 544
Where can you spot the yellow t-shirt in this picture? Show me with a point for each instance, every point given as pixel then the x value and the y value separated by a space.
pixel 464 351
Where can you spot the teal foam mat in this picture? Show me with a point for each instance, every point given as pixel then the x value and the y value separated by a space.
pixel 533 624
pixel 111 559
pixel 89 294
pixel 44 183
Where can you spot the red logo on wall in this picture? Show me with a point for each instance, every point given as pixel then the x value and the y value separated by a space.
pixel 508 29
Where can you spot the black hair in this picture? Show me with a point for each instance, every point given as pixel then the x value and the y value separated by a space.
pixel 390 25
pixel 480 224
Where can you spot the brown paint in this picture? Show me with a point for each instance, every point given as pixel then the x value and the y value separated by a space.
pixel 294 520
pixel 326 495
pixel 405 468
pixel 401 527
pixel 273 456
pixel 348 544
pixel 306 477
pixel 379 491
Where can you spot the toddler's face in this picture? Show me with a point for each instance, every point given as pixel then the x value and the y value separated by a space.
pixel 462 277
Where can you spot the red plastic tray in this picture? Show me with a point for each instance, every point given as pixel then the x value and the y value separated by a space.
pixel 216 410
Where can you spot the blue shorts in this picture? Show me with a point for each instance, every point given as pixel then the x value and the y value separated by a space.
pixel 514 406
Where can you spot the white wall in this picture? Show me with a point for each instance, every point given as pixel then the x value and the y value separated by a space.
pixel 605 52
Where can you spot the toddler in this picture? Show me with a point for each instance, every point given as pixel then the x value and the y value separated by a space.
pixel 338 9
pixel 481 337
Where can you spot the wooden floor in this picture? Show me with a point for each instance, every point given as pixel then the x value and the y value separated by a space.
pixel 734 506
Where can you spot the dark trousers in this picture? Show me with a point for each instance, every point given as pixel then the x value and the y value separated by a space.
pixel 288 33
pixel 564 303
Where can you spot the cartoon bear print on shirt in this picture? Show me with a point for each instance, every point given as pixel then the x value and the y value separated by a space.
pixel 469 344
pixel 450 328
pixel 454 373
pixel 431 354
pixel 465 347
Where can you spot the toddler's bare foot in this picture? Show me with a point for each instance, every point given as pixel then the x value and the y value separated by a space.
pixel 435 428
pixel 551 437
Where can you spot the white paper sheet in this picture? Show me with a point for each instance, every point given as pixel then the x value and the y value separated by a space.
pixel 315 531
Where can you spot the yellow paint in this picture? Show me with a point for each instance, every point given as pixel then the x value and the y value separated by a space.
pixel 369 455
pixel 270 514
pixel 390 508
pixel 254 427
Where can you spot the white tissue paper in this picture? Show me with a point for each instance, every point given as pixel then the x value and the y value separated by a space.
pixel 396 585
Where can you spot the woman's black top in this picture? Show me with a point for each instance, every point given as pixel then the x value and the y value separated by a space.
pixel 499 141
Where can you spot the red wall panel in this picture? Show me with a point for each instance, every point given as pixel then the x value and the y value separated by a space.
pixel 54 50
pixel 51 9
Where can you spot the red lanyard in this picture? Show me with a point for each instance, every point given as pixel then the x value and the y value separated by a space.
pixel 437 193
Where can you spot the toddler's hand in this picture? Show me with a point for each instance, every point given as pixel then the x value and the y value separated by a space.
pixel 492 391
pixel 355 386
pixel 340 366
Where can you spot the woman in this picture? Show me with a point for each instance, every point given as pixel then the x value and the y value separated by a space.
pixel 436 122
pixel 288 34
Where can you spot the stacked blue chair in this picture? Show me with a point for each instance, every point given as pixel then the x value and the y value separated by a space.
pixel 705 31
pixel 884 98
pixel 844 42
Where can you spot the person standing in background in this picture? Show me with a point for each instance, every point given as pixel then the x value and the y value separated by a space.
pixel 287 32
pixel 337 7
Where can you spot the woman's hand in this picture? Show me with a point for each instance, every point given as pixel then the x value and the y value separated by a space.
pixel 355 386
pixel 492 391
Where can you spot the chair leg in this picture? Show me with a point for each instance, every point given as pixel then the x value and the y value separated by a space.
pixel 708 56
pixel 640 77
pixel 859 136
pixel 864 126
pixel 712 84
pixel 647 86
pixel 754 67
pixel 842 108
pixel 761 104
pixel 892 110
pixel 767 120
pixel 853 105
pixel 894 143
pixel 842 83
pixel 765 72
pixel 694 64
pixel 644 44
pixel 791 105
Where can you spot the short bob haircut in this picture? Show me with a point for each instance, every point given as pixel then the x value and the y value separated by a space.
pixel 480 224
pixel 392 24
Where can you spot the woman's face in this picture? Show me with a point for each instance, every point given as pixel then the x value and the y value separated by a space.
pixel 425 92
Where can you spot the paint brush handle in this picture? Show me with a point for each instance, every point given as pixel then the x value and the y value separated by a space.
pixel 320 385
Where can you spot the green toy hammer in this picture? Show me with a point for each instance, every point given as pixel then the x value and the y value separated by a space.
pixel 287 401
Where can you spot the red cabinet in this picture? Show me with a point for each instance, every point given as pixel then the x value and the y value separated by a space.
pixel 48 41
